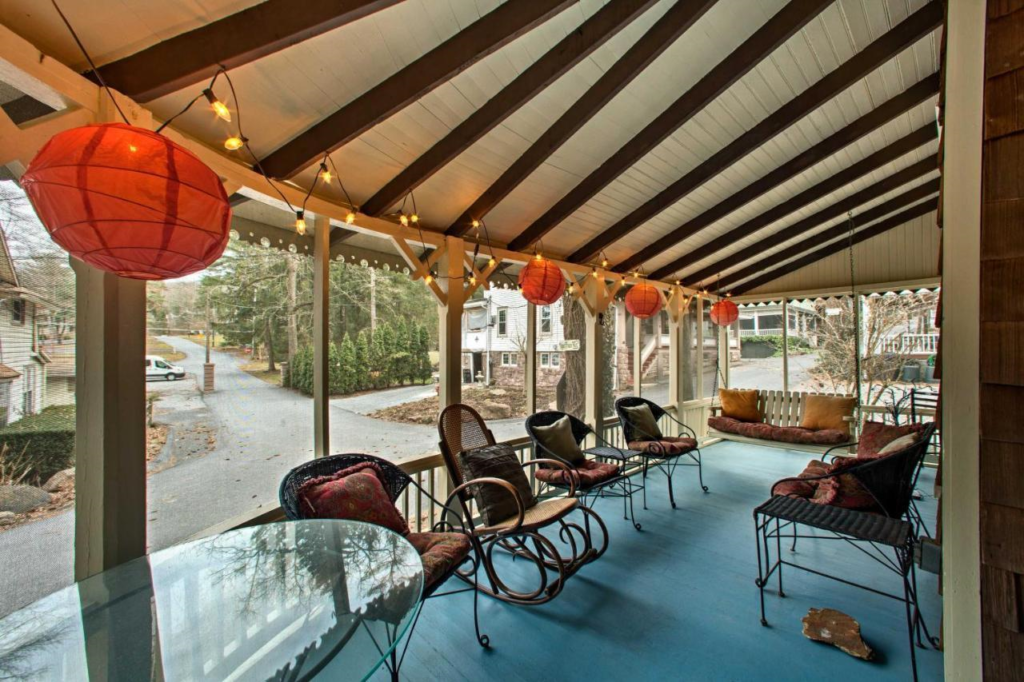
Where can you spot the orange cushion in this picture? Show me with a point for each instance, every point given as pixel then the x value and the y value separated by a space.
pixel 827 412
pixel 740 404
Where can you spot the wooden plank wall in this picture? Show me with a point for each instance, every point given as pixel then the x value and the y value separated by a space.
pixel 1002 345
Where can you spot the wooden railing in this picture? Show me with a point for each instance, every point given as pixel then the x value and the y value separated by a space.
pixel 911 344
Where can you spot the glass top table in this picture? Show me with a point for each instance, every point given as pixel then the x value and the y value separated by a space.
pixel 295 600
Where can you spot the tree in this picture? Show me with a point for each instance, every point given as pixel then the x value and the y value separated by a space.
pixel 400 357
pixel 362 364
pixel 348 365
pixel 426 368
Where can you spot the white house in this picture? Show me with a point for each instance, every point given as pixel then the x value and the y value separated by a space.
pixel 22 361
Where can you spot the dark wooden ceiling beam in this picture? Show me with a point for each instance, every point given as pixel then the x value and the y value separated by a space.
pixel 481 38
pixel 569 51
pixel 902 36
pixel 235 40
pixel 912 196
pixel 740 61
pixel 839 140
pixel 676 21
pixel 868 164
pixel 858 237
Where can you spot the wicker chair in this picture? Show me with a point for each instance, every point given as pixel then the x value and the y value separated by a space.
pixel 395 482
pixel 660 453
pixel 889 482
pixel 588 487
pixel 462 429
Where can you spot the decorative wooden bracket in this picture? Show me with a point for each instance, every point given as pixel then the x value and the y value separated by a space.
pixel 482 277
pixel 422 268
pixel 677 304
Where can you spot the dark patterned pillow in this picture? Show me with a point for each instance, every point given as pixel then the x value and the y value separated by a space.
pixel 496 461
pixel 354 494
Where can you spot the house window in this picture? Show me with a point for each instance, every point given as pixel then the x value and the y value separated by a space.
pixel 18 311
pixel 502 321
pixel 545 320
pixel 545 359
pixel 555 360
pixel 509 360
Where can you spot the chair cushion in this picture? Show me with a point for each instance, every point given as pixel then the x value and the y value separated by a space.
pixel 827 412
pixel 559 440
pixel 495 504
pixel 805 489
pixel 589 472
pixel 441 553
pixel 875 435
pixel 740 404
pixel 802 436
pixel 355 494
pixel 664 446
pixel 642 420
pixel 540 514
pixel 746 429
pixel 843 490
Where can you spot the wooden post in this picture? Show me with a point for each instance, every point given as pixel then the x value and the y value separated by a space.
pixel 530 374
pixel 724 358
pixel 110 421
pixel 638 355
pixel 450 280
pixel 785 346
pixel 699 322
pixel 321 336
pixel 676 353
pixel 596 297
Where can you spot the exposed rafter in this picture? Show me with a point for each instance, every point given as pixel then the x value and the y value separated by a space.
pixel 861 64
pixel 235 40
pixel 868 164
pixel 867 123
pixel 589 36
pixel 909 197
pixel 765 40
pixel 486 35
pixel 858 237
pixel 676 21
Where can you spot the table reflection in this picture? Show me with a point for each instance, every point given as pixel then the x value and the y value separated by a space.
pixel 281 601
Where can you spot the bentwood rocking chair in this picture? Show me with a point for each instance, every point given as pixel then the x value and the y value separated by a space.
pixel 445 550
pixel 656 450
pixel 464 435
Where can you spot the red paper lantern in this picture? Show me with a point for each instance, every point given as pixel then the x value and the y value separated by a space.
pixel 724 313
pixel 542 282
pixel 643 301
pixel 129 201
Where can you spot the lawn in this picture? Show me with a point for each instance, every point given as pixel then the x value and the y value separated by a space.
pixel 495 402
pixel 155 346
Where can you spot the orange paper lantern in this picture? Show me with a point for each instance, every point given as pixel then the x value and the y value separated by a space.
pixel 724 313
pixel 129 201
pixel 542 282
pixel 643 301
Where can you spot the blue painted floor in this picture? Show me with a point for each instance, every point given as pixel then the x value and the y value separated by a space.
pixel 677 601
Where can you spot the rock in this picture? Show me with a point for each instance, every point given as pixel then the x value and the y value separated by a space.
pixel 22 498
pixel 495 410
pixel 60 480
pixel 497 392
pixel 7 519
pixel 836 628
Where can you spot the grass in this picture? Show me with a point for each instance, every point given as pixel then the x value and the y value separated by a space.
pixel 258 369
pixel 155 346
pixel 480 397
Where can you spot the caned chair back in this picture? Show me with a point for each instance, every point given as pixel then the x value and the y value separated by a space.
pixel 395 480
pixel 461 428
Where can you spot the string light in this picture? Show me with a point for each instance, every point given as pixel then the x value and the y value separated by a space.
pixel 636 274
pixel 325 174
pixel 234 143
pixel 604 262
pixel 594 273
pixel 404 219
pixel 350 218
pixel 300 222
pixel 490 263
pixel 571 288
pixel 414 218
pixel 429 278
pixel 472 279
pixel 539 257
pixel 218 107
pixel 476 224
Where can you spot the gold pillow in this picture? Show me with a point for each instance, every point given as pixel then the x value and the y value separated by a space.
pixel 740 404
pixel 827 412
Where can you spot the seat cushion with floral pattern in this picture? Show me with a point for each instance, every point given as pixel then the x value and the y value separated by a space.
pixel 590 472
pixel 741 428
pixel 843 490
pixel 875 435
pixel 441 553
pixel 799 488
pixel 355 494
pixel 666 446
pixel 801 436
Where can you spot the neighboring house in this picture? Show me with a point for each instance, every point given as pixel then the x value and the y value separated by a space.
pixel 23 364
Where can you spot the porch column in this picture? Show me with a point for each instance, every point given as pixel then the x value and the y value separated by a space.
pixel 723 356
pixel 676 353
pixel 449 271
pixel 530 371
pixel 597 303
pixel 110 421
pixel 699 322
pixel 785 345
pixel 321 336
pixel 638 355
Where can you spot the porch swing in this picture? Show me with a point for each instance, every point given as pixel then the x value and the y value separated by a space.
pixel 793 420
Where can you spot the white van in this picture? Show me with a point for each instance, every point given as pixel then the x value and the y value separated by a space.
pixel 156 367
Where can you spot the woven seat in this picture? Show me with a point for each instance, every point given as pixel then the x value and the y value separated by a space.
pixel 611 452
pixel 540 514
pixel 867 526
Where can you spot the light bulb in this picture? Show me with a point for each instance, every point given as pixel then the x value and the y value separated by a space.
pixel 233 143
pixel 414 218
pixel 539 257
pixel 428 279
pixel 490 263
pixel 604 263
pixel 350 218
pixel 132 148
pixel 472 280
pixel 404 219
pixel 476 223
pixel 678 282
pixel 635 274
pixel 300 222
pixel 594 273
pixel 571 288
pixel 218 107
pixel 325 175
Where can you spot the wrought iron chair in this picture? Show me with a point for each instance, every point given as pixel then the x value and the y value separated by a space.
pixel 462 429
pixel 587 490
pixel 659 453
pixel 395 482
pixel 889 481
